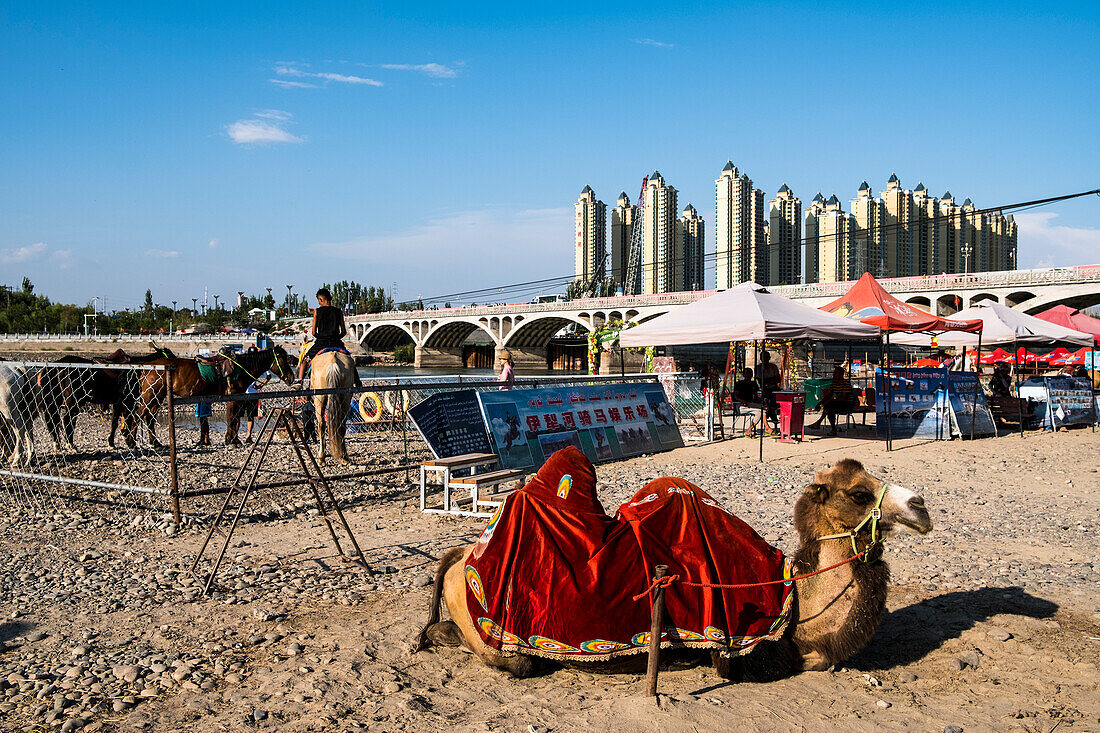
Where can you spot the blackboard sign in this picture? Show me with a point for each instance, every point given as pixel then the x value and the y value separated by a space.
pixel 451 424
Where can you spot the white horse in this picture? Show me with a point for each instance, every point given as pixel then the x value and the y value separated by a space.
pixel 17 411
pixel 333 369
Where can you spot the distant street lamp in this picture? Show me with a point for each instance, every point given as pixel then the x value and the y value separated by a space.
pixel 194 306
pixel 172 320
pixel 240 299
pixel 216 301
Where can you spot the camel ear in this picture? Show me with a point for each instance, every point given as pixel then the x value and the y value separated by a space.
pixel 817 493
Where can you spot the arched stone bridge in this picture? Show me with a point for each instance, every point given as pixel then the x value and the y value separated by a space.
pixel 525 329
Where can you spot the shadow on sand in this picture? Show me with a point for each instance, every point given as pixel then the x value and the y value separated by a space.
pixel 12 629
pixel 910 633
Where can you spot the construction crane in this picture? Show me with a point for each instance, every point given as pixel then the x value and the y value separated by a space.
pixel 632 283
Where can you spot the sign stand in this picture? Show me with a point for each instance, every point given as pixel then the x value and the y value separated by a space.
pixel 284 418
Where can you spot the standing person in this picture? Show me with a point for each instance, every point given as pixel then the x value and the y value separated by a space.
pixel 328 330
pixel 507 373
pixel 251 408
pixel 770 379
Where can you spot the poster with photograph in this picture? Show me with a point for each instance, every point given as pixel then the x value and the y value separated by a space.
pixel 1069 402
pixel 605 422
pixel 964 408
pixel 918 404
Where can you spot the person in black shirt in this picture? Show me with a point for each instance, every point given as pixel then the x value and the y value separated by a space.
pixel 745 390
pixel 328 330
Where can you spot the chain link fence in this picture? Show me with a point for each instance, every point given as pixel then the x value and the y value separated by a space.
pixel 68 431
pixel 56 427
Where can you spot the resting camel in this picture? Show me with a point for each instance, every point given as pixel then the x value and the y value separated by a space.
pixel 835 613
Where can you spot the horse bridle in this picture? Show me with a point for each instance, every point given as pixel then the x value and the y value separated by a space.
pixel 873 551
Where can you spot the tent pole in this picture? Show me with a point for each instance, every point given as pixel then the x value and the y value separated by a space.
pixel 763 406
pixel 1019 400
pixel 977 383
pixel 889 396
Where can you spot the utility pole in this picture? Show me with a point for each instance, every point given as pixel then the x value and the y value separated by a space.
pixel 172 320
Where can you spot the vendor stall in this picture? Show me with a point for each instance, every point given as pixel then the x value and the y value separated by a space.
pixel 748 312
pixel 1004 325
pixel 868 302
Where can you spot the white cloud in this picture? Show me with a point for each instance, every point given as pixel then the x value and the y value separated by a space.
pixel 1043 243
pixel 162 254
pixel 288 84
pixel 436 71
pixel 63 259
pixel 294 71
pixel 466 249
pixel 265 128
pixel 22 254
pixel 214 243
pixel 651 42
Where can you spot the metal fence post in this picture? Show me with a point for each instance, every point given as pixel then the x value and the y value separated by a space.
pixel 173 473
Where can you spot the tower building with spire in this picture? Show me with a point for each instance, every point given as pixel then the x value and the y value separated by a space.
pixel 693 245
pixel 623 217
pixel 590 250
pixel 784 238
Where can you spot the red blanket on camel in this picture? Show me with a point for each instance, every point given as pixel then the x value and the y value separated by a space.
pixel 552 575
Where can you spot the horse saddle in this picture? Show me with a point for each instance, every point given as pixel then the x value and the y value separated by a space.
pixel 215 368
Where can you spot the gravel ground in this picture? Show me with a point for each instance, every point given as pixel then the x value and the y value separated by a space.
pixel 993 623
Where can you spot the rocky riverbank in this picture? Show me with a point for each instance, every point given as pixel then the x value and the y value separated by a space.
pixel 993 622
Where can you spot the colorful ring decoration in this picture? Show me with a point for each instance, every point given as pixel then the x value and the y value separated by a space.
pixel 642 639
pixel 473 581
pixel 487 533
pixel 564 486
pixel 495 631
pixel 601 646
pixel 715 634
pixel 549 645
pixel 686 635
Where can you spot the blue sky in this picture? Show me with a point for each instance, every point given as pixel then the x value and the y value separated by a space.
pixel 238 146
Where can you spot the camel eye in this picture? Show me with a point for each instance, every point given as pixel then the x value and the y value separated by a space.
pixel 862 497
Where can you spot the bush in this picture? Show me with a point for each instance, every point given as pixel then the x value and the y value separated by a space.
pixel 405 354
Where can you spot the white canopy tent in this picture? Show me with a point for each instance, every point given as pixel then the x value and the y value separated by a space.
pixel 1002 325
pixel 747 312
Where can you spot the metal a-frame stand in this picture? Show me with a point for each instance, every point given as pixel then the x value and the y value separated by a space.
pixel 280 416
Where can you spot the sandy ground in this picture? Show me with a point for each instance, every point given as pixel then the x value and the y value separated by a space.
pixel 993 623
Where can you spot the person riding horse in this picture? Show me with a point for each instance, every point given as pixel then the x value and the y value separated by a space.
pixel 328 330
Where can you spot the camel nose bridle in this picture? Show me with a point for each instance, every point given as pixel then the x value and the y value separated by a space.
pixel 873 551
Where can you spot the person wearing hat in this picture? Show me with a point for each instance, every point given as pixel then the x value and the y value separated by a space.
pixel 507 374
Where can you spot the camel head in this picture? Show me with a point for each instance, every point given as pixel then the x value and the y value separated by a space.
pixel 841 498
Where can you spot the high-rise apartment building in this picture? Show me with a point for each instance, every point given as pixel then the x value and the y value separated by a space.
pixel 742 253
pixel 897 233
pixel 867 251
pixel 590 252
pixel 813 239
pixel 905 233
pixel 926 250
pixel 784 238
pixel 623 217
pixel 662 259
pixel 693 246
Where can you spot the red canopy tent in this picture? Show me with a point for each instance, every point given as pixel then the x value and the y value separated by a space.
pixel 1077 357
pixel 1062 315
pixel 868 302
pixel 997 355
pixel 1058 353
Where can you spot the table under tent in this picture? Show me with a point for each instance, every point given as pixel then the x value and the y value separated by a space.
pixel 746 313
pixel 868 302
pixel 1004 325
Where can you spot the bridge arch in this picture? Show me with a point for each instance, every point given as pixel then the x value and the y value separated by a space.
pixel 537 332
pixel 385 337
pixel 979 297
pixel 921 302
pixel 948 304
pixel 1078 300
pixel 1020 296
pixel 453 334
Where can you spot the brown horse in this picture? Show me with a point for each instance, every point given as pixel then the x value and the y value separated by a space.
pixel 233 375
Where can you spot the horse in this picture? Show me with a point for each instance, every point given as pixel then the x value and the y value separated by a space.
pixel 227 375
pixel 333 369
pixel 17 413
